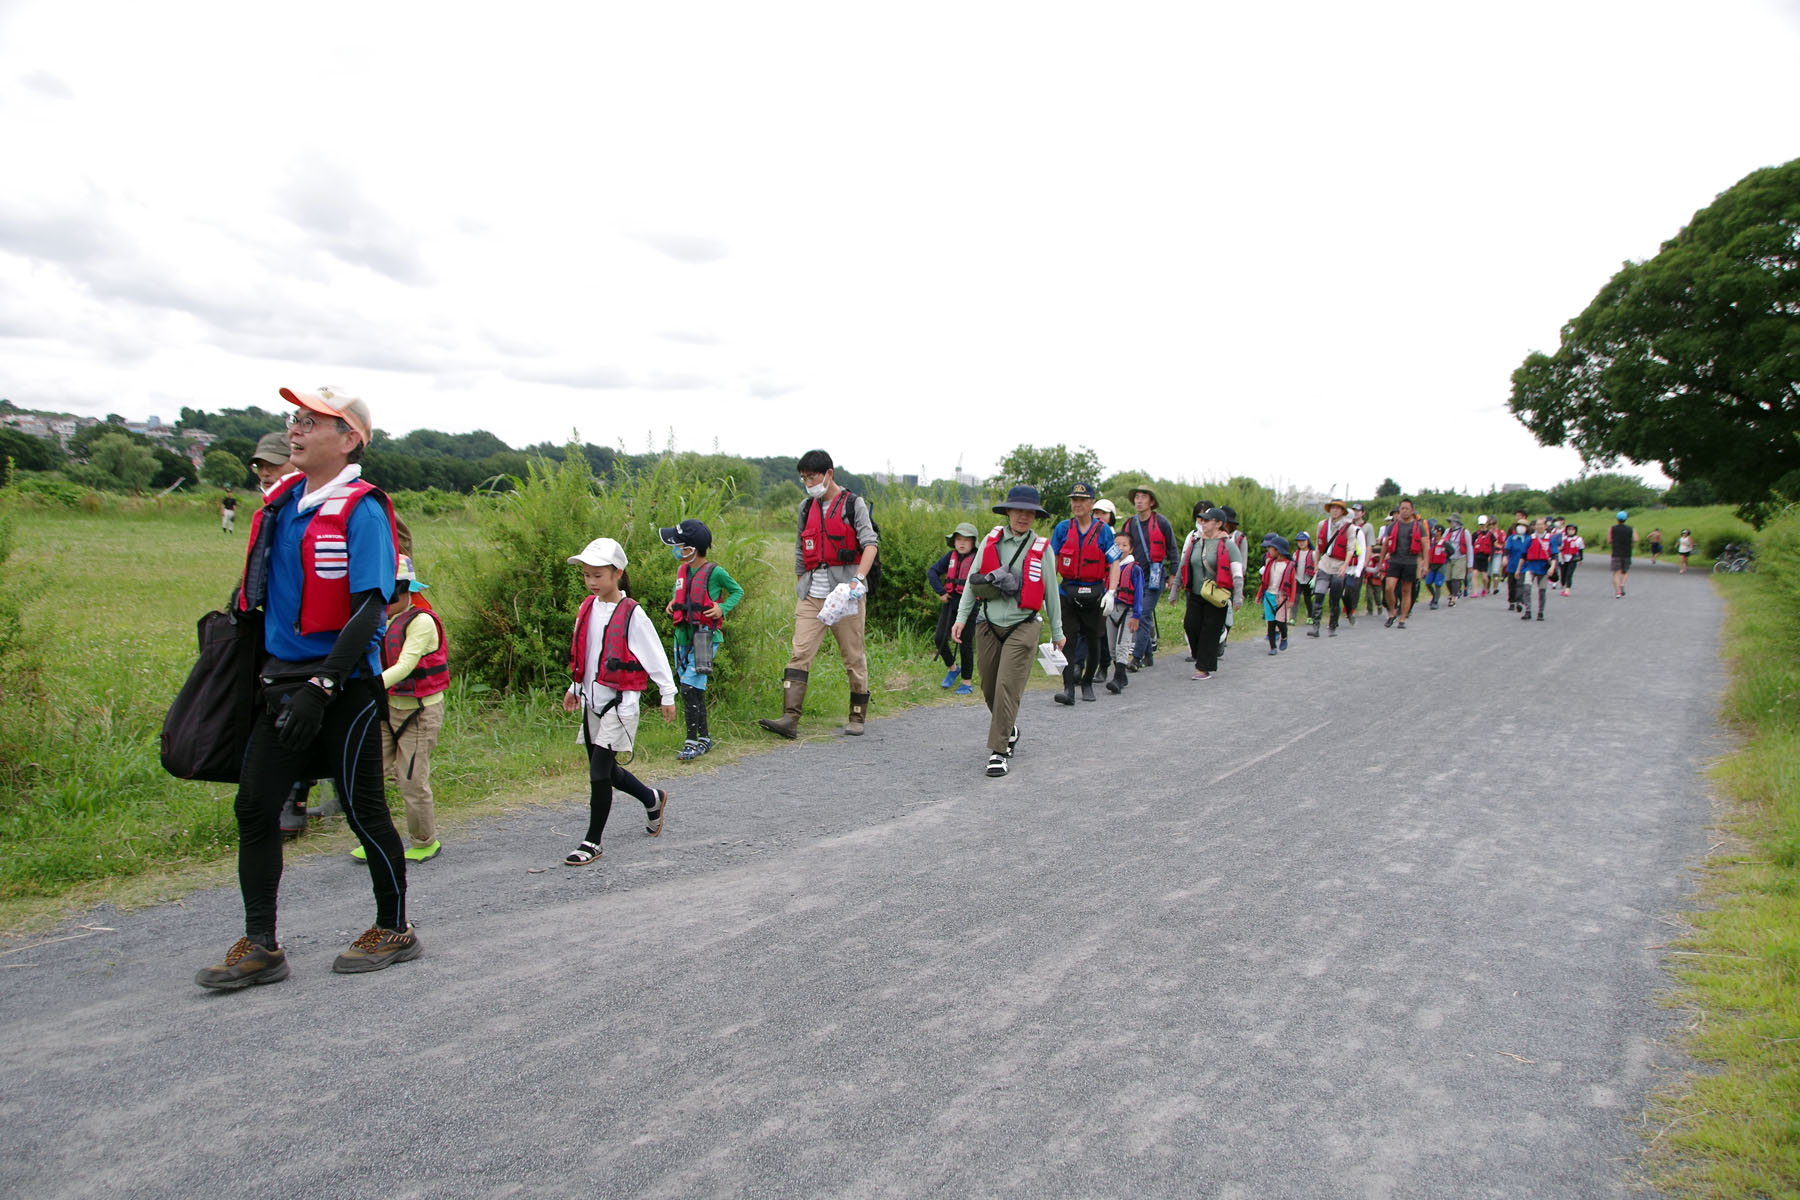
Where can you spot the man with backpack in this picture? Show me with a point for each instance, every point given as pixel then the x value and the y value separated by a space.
pixel 835 543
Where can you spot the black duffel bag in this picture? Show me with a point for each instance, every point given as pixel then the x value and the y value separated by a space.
pixel 208 726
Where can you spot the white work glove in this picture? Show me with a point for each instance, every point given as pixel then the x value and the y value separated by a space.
pixel 1108 602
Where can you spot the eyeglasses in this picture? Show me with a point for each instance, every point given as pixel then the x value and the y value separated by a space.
pixel 306 422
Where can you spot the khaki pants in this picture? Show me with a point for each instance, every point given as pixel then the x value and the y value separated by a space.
pixel 809 635
pixel 409 766
pixel 1005 668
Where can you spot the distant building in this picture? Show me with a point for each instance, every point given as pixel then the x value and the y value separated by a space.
pixel 1514 487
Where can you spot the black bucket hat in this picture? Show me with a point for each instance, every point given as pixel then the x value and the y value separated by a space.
pixel 1022 496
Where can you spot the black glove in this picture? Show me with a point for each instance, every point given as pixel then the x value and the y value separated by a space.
pixel 305 712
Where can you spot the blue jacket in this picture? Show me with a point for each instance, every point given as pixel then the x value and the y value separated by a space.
pixel 1516 545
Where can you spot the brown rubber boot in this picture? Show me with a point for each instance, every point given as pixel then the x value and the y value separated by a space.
pixel 859 708
pixel 793 696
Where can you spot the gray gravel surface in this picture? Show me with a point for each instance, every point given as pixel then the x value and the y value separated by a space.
pixel 1378 917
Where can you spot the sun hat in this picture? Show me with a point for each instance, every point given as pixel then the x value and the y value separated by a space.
pixel 601 552
pixel 271 448
pixel 963 529
pixel 1022 496
pixel 1335 502
pixel 1274 541
pixel 1147 490
pixel 688 533
pixel 332 402
pixel 1105 506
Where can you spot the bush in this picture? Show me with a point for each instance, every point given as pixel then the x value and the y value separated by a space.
pixel 912 538
pixel 1712 545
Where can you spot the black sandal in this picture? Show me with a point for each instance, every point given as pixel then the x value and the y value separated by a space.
pixel 582 855
pixel 653 817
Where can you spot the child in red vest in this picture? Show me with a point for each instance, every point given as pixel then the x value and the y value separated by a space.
pixel 703 594
pixel 947 577
pixel 614 654
pixel 1276 589
pixel 415 660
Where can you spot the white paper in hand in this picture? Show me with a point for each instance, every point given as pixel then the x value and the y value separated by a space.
pixel 1051 659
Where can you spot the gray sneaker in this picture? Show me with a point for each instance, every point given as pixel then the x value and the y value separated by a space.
pixel 378 948
pixel 245 963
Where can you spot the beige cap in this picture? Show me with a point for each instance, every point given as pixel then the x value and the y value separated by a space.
pixel 271 448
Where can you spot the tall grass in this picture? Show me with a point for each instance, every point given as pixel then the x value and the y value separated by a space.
pixel 1734 1131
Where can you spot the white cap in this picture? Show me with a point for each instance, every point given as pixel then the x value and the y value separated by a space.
pixel 1481 520
pixel 1105 506
pixel 601 552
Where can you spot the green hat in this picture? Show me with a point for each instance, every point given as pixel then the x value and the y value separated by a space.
pixel 271 448
pixel 963 530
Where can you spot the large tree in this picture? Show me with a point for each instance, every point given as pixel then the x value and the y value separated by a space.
pixel 1053 470
pixel 1692 358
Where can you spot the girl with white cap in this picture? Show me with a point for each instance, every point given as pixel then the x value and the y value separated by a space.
pixel 615 653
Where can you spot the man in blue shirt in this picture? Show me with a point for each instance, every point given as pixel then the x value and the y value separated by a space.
pixel 321 566
pixel 1087 570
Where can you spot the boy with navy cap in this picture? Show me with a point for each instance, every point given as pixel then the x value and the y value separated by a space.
pixel 703 594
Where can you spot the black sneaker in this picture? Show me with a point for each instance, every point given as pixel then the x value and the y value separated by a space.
pixel 1389 624
pixel 653 817
pixel 996 766
pixel 245 963
pixel 378 948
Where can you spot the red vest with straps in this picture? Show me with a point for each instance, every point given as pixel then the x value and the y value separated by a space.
pixel 1484 542
pixel 1221 575
pixel 1031 570
pixel 1539 549
pixel 618 668
pixel 827 538
pixel 1127 586
pixel 693 596
pixel 1148 536
pixel 1286 589
pixel 1440 551
pixel 957 576
pixel 1417 541
pixel 1080 558
pixel 324 552
pixel 1339 544
pixel 1306 564
pixel 432 675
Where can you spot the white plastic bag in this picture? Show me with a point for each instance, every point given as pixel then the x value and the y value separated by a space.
pixel 840 603
pixel 1051 659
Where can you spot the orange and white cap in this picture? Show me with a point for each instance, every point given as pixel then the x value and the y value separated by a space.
pixel 332 402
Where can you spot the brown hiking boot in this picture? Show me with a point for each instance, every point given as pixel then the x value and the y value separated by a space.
pixel 245 963
pixel 859 708
pixel 793 697
pixel 378 948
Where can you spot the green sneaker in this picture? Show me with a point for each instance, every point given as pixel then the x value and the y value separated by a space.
pixel 378 948
pixel 245 963
pixel 359 854
pixel 423 853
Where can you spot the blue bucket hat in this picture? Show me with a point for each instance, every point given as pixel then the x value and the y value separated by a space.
pixel 1274 541
pixel 1022 496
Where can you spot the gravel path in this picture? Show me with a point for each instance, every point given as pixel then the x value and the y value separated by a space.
pixel 1378 917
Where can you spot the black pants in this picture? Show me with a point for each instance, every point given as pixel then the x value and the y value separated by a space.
pixel 1085 626
pixel 1203 623
pixel 605 774
pixel 1568 573
pixel 948 650
pixel 346 751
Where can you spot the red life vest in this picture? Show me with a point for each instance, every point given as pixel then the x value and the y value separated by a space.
pixel 1148 536
pixel 1340 541
pixel 957 577
pixel 1127 585
pixel 618 668
pixel 1221 575
pixel 1287 588
pixel 1539 548
pixel 1440 551
pixel 1080 559
pixel 1306 564
pixel 1031 571
pixel 693 595
pixel 1571 549
pixel 1417 540
pixel 432 674
pixel 324 554
pixel 828 539
pixel 1484 542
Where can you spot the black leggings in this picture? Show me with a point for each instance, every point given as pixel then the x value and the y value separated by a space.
pixel 1568 573
pixel 1084 625
pixel 1203 623
pixel 346 751
pixel 605 774
pixel 948 650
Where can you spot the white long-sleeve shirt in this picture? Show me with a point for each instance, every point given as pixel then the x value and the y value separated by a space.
pixel 641 636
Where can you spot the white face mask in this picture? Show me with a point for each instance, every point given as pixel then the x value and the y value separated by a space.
pixel 816 490
pixel 1518 529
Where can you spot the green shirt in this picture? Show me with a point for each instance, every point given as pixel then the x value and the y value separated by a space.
pixel 1007 610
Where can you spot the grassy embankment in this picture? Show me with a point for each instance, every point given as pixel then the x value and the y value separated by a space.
pixel 1734 1131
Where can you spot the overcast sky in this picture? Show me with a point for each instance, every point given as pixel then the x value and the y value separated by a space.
pixel 1306 242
